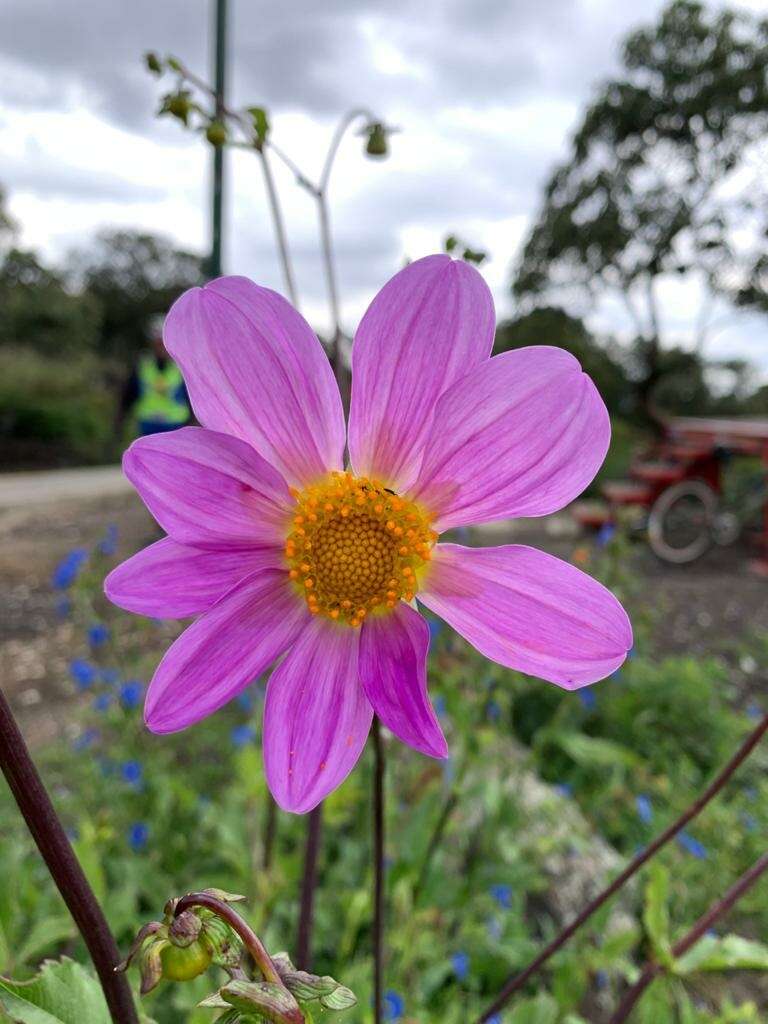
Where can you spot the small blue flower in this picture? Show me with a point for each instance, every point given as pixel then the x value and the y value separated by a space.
pixel 644 808
pixel 394 1006
pixel 754 711
pixel 245 699
pixel 440 706
pixel 131 693
pixel 435 629
pixel 495 1019
pixel 102 702
pixel 131 773
pixel 108 543
pixel 502 894
pixel 588 698
pixel 493 710
pixel 460 965
pixel 692 845
pixel 86 739
pixel 750 792
pixel 601 979
pixel 138 835
pixel 749 821
pixel 98 634
pixel 83 673
pixel 564 789
pixel 605 534
pixel 242 735
pixel 68 569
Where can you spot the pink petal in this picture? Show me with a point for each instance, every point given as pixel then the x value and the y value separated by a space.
pixel 255 369
pixel 521 435
pixel 427 327
pixel 224 650
pixel 208 489
pixel 393 671
pixel 171 581
pixel 316 717
pixel 529 611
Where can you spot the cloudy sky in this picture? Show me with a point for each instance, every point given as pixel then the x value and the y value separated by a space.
pixel 486 93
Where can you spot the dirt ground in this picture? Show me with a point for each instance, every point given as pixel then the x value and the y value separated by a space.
pixel 705 608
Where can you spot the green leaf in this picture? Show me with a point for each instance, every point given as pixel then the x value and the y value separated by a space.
pixel 542 1009
pixel 656 913
pixel 730 953
pixel 62 993
pixel 260 122
pixel 595 752
pixel 43 935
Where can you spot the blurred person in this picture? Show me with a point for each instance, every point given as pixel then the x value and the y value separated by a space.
pixel 154 394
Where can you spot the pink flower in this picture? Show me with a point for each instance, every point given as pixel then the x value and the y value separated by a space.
pixel 281 553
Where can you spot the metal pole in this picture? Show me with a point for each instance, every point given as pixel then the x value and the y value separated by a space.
pixel 220 61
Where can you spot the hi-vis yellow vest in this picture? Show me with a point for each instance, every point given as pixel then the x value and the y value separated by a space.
pixel 159 393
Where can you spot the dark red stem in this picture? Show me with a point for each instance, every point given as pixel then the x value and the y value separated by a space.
pixel 308 886
pixel 43 822
pixel 653 969
pixel 517 981
pixel 378 873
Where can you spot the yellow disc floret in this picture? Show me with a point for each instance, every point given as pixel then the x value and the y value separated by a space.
pixel 356 548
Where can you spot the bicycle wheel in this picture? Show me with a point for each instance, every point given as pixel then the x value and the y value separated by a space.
pixel 680 522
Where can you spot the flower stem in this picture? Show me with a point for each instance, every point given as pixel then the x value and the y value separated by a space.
pixel 308 886
pixel 516 982
pixel 279 227
pixel 46 829
pixel 378 868
pixel 251 941
pixel 652 969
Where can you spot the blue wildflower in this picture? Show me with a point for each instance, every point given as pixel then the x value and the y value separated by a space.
pixel 601 979
pixel 83 673
pixel 394 1006
pixel 102 702
pixel 245 699
pixel 98 634
pixel 131 693
pixel 131 772
pixel 435 629
pixel 692 845
pixel 68 569
pixel 749 821
pixel 588 698
pixel 605 534
pixel 108 543
pixel 460 965
pixel 564 789
pixel 644 808
pixel 242 735
pixel 493 710
pixel 86 739
pixel 502 894
pixel 138 835
pixel 440 706
pixel 754 711
pixel 495 1019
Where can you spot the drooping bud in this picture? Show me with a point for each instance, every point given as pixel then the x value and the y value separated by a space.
pixel 216 133
pixel 153 62
pixel 182 963
pixel 376 144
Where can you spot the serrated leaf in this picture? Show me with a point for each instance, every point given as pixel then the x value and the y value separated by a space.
pixel 730 953
pixel 63 992
pixel 656 913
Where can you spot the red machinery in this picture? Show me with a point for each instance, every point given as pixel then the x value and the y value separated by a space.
pixel 691 449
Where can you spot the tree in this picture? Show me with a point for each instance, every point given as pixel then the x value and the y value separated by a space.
pixel 37 311
pixel 663 178
pixel 7 223
pixel 550 325
pixel 134 276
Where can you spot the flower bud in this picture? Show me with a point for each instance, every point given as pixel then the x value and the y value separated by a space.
pixel 153 62
pixel 185 928
pixel 182 963
pixel 216 133
pixel 376 144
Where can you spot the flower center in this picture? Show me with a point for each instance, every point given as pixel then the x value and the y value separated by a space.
pixel 355 547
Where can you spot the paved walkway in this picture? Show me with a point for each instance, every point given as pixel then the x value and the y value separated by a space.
pixel 43 487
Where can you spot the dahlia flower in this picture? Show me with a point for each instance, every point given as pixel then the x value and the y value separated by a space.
pixel 283 553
